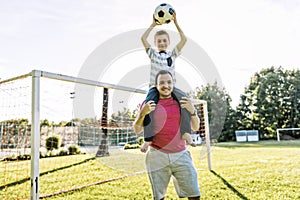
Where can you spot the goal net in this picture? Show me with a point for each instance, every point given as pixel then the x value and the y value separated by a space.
pixel 43 141
pixel 60 133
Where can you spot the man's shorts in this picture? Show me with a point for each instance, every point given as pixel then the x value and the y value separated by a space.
pixel 161 167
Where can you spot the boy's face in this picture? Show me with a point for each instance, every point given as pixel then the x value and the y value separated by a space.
pixel 162 42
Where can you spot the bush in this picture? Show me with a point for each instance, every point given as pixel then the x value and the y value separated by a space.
pixel 127 146
pixel 24 157
pixel 53 142
pixel 132 146
pixel 43 152
pixel 74 149
pixel 140 140
pixel 63 152
pixel 11 158
pixel 54 152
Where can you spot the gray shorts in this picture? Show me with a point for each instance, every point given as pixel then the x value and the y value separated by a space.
pixel 161 167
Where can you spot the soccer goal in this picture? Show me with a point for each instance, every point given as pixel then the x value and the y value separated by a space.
pixel 60 133
pixel 42 137
pixel 283 133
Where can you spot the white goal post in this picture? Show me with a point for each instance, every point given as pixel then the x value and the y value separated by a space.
pixel 206 125
pixel 284 129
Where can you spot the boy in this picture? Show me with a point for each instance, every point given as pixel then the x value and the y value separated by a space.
pixel 164 60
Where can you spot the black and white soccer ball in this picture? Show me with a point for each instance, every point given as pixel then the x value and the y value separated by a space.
pixel 163 13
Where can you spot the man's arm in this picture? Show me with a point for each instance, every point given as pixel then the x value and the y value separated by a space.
pixel 146 109
pixel 146 34
pixel 188 105
pixel 183 39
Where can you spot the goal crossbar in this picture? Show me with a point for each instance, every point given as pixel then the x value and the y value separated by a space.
pixel 86 81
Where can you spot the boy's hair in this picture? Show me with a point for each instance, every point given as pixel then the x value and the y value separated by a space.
pixel 162 72
pixel 162 32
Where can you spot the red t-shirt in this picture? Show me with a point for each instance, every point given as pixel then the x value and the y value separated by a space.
pixel 167 137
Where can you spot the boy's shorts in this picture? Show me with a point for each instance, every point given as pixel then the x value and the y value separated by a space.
pixel 161 167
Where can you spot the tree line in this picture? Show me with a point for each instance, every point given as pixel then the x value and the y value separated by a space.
pixel 270 101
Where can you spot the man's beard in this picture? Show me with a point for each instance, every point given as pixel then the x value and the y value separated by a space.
pixel 165 95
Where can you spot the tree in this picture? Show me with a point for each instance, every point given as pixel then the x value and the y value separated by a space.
pixel 294 101
pixel 230 124
pixel 45 122
pixel 270 102
pixel 221 115
pixel 122 118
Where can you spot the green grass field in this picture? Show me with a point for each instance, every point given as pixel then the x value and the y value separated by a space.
pixel 261 170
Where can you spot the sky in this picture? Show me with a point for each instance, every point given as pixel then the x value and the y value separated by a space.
pixel 240 36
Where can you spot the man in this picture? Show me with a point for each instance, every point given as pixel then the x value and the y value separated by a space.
pixel 168 156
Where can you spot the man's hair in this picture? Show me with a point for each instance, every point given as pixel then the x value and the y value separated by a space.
pixel 162 32
pixel 162 72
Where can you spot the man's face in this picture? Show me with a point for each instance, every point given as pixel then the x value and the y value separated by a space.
pixel 164 85
pixel 162 42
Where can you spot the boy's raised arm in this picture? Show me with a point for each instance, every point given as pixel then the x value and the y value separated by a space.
pixel 146 34
pixel 183 39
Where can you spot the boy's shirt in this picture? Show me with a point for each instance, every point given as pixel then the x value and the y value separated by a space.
pixel 162 61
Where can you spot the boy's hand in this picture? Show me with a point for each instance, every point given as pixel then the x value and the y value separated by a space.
pixel 145 147
pixel 154 23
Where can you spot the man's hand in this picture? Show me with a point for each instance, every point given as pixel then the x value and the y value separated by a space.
pixel 187 104
pixel 148 108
